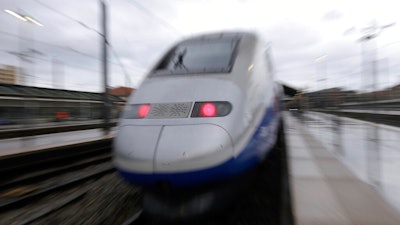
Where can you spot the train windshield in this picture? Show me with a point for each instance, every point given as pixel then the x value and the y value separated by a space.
pixel 199 56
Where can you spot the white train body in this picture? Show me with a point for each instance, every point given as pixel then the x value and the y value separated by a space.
pixel 208 111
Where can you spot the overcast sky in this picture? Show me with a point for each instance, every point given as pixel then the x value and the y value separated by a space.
pixel 309 47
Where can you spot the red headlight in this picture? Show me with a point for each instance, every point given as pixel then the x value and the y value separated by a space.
pixel 143 110
pixel 211 109
pixel 208 110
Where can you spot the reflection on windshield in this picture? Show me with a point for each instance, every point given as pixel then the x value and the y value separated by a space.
pixel 209 56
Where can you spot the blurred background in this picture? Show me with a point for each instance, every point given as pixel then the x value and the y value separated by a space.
pixel 69 66
pixel 316 44
pixel 335 53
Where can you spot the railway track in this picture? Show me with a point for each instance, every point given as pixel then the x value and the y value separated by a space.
pixel 36 186
pixel 31 175
pixel 79 186
pixel 17 164
pixel 22 195
pixel 27 176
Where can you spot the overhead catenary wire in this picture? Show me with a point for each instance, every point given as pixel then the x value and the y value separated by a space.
pixel 127 77
pixel 67 64
pixel 158 18
pixel 119 63
pixel 134 3
pixel 66 48
pixel 68 17
pixel 330 61
pixel 49 44
pixel 48 60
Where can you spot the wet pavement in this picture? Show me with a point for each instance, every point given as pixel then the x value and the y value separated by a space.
pixel 370 151
pixel 386 112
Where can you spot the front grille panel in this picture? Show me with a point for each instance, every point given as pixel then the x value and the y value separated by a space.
pixel 169 110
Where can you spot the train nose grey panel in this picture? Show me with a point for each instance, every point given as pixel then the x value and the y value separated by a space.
pixel 137 142
pixel 189 147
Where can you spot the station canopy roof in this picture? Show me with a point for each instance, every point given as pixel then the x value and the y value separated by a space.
pixel 37 92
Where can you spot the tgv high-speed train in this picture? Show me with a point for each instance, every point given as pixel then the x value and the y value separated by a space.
pixel 208 111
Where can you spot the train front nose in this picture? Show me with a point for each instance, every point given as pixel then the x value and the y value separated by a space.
pixel 180 155
pixel 191 147
pixel 134 148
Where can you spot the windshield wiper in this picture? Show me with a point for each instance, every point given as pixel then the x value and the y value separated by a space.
pixel 179 62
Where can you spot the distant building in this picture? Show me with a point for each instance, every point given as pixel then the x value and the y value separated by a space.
pixel 8 74
pixel 122 92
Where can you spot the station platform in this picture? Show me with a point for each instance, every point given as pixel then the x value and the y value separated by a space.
pixel 22 145
pixel 324 191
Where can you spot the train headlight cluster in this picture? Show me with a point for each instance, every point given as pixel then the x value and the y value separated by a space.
pixel 177 110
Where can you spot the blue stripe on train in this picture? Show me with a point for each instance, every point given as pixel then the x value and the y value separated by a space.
pixel 259 145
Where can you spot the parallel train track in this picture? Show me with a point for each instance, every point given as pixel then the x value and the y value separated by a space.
pixel 78 185
pixel 30 177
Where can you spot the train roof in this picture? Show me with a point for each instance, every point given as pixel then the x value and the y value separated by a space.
pixel 219 35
